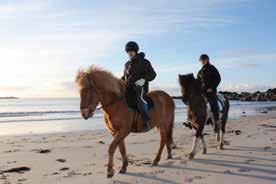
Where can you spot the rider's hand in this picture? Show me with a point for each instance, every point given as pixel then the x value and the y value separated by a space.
pixel 140 82
pixel 209 90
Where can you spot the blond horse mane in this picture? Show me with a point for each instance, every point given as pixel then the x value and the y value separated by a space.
pixel 103 79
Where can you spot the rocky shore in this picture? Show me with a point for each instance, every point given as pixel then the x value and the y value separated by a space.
pixel 269 95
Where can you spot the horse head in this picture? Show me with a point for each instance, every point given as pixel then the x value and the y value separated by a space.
pixel 97 86
pixel 187 84
pixel 89 98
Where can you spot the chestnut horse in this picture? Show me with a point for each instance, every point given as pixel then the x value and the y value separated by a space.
pixel 97 86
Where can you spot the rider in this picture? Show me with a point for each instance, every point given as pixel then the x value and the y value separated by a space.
pixel 210 79
pixel 138 73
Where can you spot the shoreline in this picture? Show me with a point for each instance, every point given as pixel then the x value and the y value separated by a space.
pixel 80 157
pixel 100 120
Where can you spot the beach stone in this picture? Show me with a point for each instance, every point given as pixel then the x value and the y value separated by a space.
pixel 101 142
pixel 61 160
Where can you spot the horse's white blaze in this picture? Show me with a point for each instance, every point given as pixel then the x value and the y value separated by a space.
pixel 195 142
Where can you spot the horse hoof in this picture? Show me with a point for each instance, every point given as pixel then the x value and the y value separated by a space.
pixel 110 173
pixel 173 146
pixel 191 156
pixel 169 157
pixel 204 151
pixel 154 163
pixel 220 147
pixel 122 171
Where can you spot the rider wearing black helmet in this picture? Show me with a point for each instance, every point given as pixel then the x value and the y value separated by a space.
pixel 138 73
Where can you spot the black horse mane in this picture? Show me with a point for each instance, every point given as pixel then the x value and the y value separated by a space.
pixel 188 81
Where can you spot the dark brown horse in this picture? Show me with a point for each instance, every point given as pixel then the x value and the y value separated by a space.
pixel 99 86
pixel 199 113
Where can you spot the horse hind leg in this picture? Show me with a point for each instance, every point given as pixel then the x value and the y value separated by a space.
pixel 169 142
pixel 221 141
pixel 193 152
pixel 163 140
pixel 122 149
pixel 204 146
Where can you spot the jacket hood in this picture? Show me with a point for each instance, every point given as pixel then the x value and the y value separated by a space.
pixel 139 56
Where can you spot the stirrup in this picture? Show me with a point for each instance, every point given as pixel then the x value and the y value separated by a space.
pixel 188 124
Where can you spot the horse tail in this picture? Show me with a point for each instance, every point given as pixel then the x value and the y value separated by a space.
pixel 170 129
pixel 226 107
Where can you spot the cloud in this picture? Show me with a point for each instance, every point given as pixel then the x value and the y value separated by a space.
pixel 242 58
pixel 43 42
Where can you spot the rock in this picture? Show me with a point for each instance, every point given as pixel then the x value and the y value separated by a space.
pixel 43 151
pixel 269 95
pixel 101 142
pixel 227 172
pixel 61 160
pixel 17 170
pixel 64 169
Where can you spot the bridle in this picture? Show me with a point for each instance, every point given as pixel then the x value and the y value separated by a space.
pixel 90 97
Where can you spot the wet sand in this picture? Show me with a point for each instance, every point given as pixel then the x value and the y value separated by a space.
pixel 80 157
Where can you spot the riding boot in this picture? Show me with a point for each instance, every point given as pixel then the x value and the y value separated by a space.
pixel 143 109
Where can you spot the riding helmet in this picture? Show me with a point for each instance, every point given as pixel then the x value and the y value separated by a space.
pixel 204 57
pixel 132 46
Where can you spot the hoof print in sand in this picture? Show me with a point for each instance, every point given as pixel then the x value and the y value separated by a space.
pixel 244 170
pixel 43 151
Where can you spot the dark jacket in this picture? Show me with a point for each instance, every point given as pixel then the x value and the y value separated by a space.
pixel 138 68
pixel 209 77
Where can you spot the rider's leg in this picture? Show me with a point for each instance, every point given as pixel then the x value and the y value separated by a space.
pixel 212 99
pixel 142 106
pixel 188 123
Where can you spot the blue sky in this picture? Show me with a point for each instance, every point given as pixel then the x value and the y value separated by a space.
pixel 44 42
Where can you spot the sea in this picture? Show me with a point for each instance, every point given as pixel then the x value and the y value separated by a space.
pixel 53 115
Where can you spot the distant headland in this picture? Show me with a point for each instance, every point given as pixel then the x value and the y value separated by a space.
pixel 269 95
pixel 8 97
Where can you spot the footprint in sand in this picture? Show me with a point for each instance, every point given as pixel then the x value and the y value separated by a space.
pixel 244 170
pixel 189 180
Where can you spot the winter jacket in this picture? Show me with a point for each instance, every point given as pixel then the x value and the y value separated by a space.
pixel 209 77
pixel 138 68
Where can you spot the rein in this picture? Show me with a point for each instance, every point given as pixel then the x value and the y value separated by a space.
pixel 109 104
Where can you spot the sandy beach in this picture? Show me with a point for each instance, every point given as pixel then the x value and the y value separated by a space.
pixel 80 157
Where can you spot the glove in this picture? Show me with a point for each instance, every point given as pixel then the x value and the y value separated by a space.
pixel 140 82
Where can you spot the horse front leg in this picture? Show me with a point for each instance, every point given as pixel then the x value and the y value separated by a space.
pixel 196 138
pixel 122 149
pixel 111 150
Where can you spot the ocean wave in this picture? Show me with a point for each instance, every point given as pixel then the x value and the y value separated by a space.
pixel 34 113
